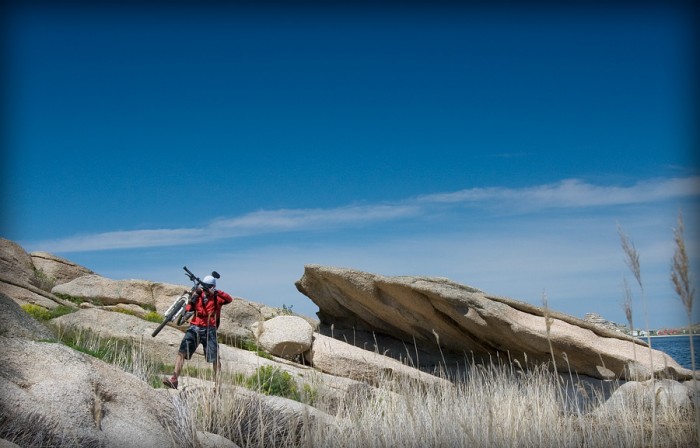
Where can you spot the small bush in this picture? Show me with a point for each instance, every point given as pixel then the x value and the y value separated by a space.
pixel 271 380
pixel 44 281
pixel 148 307
pixel 70 298
pixel 37 312
pixel 43 314
pixel 287 310
pixel 153 316
pixel 309 395
pixel 127 312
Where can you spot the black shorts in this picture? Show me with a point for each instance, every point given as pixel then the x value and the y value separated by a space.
pixel 204 335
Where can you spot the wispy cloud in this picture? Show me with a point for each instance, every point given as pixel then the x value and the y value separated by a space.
pixel 265 221
pixel 569 193
pixel 127 239
pixel 575 193
pixel 256 223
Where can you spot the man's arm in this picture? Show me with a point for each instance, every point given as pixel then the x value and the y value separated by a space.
pixel 225 297
pixel 193 299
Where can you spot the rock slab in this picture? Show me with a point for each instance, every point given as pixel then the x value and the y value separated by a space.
pixel 439 313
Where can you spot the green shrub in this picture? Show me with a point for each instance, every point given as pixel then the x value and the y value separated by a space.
pixel 153 316
pixel 127 312
pixel 70 298
pixel 44 281
pixel 62 310
pixel 309 395
pixel 148 307
pixel 271 380
pixel 287 310
pixel 37 312
pixel 43 314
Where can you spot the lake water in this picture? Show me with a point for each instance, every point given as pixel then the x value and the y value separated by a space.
pixel 678 347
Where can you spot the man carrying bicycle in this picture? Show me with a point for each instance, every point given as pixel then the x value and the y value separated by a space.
pixel 206 304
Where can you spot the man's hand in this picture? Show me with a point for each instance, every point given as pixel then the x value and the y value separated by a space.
pixel 195 293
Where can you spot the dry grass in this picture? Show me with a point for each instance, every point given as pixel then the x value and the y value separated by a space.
pixel 497 405
pixel 680 277
pixel 632 260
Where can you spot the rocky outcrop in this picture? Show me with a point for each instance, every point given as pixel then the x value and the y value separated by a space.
pixel 239 317
pixel 338 358
pixel 442 314
pixel 52 395
pixel 56 269
pixel 24 294
pixel 18 324
pixel 109 324
pixel 164 347
pixel 597 319
pixel 665 393
pixel 105 291
pixel 18 278
pixel 16 263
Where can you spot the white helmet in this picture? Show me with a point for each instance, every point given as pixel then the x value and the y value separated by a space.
pixel 210 281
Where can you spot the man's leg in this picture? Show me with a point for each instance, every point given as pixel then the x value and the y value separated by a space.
pixel 187 346
pixel 216 366
pixel 179 361
pixel 212 353
pixel 172 381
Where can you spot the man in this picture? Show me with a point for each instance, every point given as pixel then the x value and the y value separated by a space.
pixel 206 304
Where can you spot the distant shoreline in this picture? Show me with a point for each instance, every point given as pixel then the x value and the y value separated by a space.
pixel 667 336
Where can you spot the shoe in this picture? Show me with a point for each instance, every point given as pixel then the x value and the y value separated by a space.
pixel 170 382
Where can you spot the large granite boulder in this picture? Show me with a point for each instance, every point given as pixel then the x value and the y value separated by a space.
pixel 57 269
pixel 644 395
pixel 438 313
pixel 16 263
pixel 104 291
pixel 338 358
pixel 52 395
pixel 28 294
pixel 284 336
pixel 18 278
pixel 240 317
pixel 18 324
pixel 109 324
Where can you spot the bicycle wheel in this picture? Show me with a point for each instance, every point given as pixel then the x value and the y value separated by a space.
pixel 180 303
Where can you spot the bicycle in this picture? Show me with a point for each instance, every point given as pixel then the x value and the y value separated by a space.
pixel 176 311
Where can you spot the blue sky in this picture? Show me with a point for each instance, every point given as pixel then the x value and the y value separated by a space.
pixel 500 148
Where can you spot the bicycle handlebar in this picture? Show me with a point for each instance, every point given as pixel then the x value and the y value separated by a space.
pixel 196 279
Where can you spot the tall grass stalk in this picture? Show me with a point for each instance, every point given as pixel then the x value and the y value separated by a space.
pixel 680 276
pixel 632 260
pixel 548 327
pixel 627 307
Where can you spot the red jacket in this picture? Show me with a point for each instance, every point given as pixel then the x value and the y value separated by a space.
pixel 207 315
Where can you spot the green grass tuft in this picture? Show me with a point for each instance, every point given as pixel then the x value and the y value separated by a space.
pixel 271 380
pixel 153 316
pixel 42 314
pixel 44 281
pixel 127 312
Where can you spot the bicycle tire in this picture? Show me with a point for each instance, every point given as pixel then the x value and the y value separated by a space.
pixel 168 318
pixel 184 317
